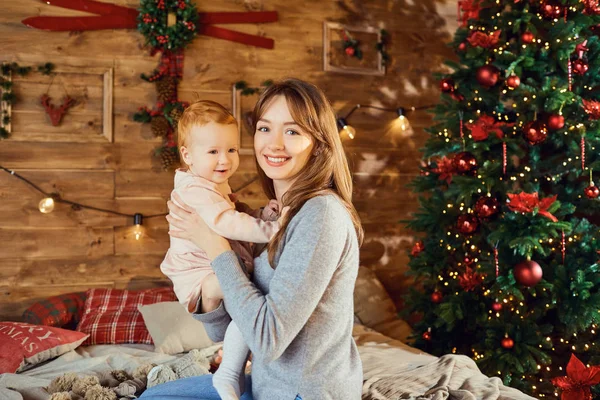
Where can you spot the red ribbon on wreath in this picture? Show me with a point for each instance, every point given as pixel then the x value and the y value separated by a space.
pixel 528 202
pixel 576 385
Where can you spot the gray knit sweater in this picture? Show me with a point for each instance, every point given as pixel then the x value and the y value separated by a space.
pixel 297 319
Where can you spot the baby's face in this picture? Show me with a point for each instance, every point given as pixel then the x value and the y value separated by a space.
pixel 213 151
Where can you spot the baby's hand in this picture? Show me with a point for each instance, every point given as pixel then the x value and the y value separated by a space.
pixel 271 211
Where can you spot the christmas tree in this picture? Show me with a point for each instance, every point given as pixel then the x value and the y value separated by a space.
pixel 507 268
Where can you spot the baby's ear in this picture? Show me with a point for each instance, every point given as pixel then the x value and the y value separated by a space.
pixel 185 155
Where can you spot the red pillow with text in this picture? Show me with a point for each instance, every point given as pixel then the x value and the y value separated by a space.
pixel 111 316
pixel 24 345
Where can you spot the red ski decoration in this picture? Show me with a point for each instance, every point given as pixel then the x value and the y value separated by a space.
pixel 111 16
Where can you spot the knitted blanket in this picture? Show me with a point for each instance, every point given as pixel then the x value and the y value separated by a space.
pixel 450 377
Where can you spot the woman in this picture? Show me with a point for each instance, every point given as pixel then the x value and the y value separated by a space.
pixel 297 313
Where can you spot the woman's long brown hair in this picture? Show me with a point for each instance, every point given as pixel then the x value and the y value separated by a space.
pixel 327 169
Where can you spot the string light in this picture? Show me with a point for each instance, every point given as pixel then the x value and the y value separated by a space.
pixel 345 129
pixel 48 203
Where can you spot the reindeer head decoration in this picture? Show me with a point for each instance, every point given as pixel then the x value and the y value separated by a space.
pixel 56 113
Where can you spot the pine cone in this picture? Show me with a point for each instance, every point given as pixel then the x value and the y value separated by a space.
pixel 168 157
pixel 175 114
pixel 166 88
pixel 160 126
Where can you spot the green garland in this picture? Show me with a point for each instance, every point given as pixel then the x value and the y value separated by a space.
pixel 152 23
pixel 6 84
pixel 248 91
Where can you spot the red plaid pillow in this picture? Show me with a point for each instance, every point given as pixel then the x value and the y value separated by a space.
pixel 60 311
pixel 112 316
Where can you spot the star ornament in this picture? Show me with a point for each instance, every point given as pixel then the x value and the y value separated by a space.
pixel 576 385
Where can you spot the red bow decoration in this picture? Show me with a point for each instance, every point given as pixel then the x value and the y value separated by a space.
pixel 56 113
pixel 529 202
pixel 470 9
pixel 486 124
pixel 576 385
pixel 581 48
pixel 470 279
pixel 484 40
pixel 592 108
pixel 445 169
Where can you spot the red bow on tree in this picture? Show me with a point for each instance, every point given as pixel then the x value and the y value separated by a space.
pixel 576 385
pixel 470 9
pixel 484 40
pixel 481 128
pixel 528 202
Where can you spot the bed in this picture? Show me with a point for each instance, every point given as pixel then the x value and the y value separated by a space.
pixel 392 369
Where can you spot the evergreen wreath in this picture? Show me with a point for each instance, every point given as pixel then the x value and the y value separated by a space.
pixel 153 23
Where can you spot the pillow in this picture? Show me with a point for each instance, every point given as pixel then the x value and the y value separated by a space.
pixel 111 316
pixel 173 329
pixel 60 311
pixel 374 307
pixel 24 345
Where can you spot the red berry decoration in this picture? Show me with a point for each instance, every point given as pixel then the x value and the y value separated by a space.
pixel 528 273
pixel 527 37
pixel 417 248
pixel 513 81
pixel 580 67
pixel 436 297
pixel 486 207
pixel 592 192
pixel 508 343
pixel 427 335
pixel 556 121
pixel 465 162
pixel 467 224
pixel 552 10
pixel 462 46
pixel 487 75
pixel 447 85
pixel 350 51
pixel 535 132
pixel 497 306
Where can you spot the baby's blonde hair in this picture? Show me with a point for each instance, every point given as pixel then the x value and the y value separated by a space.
pixel 200 113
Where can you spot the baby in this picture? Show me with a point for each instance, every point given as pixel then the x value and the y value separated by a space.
pixel 208 142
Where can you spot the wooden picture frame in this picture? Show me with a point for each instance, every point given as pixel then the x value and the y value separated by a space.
pixel 107 76
pixel 331 49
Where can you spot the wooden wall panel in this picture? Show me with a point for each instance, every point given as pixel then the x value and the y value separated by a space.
pixel 71 250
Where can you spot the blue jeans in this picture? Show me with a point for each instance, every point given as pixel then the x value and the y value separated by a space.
pixel 194 388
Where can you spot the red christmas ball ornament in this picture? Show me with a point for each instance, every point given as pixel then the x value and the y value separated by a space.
pixel 527 37
pixel 465 162
pixel 513 81
pixel 427 335
pixel 497 306
pixel 447 85
pixel 487 75
pixel 592 192
pixel 528 273
pixel 507 343
pixel 535 132
pixel 436 297
pixel 467 224
pixel 486 207
pixel 462 46
pixel 350 51
pixel 551 10
pixel 556 121
pixel 580 66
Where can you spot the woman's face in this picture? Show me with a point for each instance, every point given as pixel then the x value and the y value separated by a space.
pixel 282 148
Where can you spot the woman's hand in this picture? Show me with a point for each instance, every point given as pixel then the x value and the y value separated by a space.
pixel 188 225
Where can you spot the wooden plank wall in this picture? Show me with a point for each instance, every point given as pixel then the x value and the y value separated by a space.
pixel 70 250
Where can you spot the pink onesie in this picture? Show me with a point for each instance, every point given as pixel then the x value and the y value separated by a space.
pixel 185 263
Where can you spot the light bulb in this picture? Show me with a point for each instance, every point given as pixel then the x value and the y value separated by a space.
pixel 46 205
pixel 138 230
pixel 349 131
